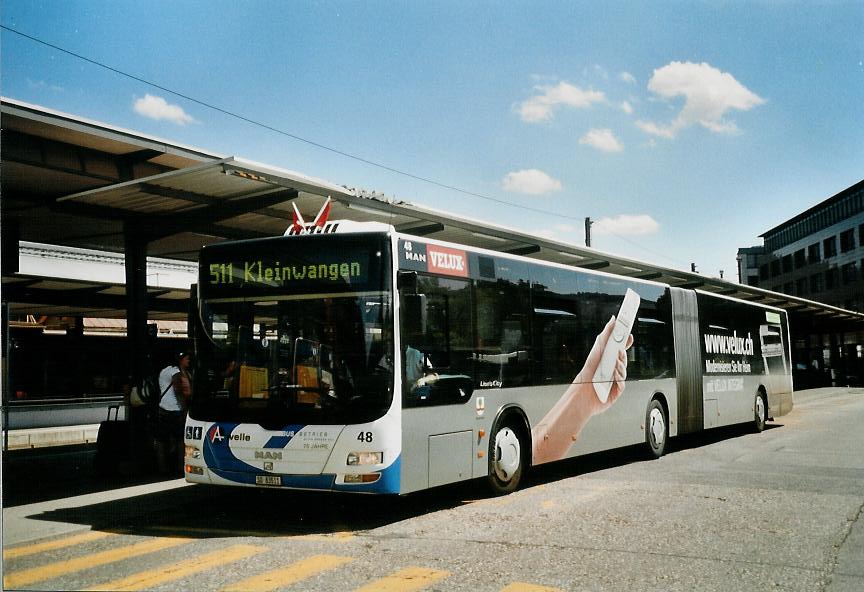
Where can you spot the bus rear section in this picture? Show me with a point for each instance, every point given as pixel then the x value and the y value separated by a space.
pixel 746 365
pixel 294 379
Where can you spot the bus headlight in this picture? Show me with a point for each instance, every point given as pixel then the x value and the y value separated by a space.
pixel 192 452
pixel 365 458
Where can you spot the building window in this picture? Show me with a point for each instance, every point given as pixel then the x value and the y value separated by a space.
pixel 800 260
pixel 787 288
pixel 831 277
pixel 813 253
pixel 763 272
pixel 816 283
pixel 801 287
pixel 847 240
pixel 775 268
pixel 829 246
pixel 849 272
pixel 787 263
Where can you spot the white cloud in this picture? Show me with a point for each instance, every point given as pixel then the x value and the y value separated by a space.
pixel 649 127
pixel 627 77
pixel 541 107
pixel 158 108
pixel 626 225
pixel 626 107
pixel 709 95
pixel 530 181
pixel 602 139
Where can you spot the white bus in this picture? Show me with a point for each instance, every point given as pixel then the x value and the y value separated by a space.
pixel 354 358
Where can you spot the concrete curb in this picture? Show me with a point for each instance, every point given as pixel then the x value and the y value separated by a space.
pixel 60 436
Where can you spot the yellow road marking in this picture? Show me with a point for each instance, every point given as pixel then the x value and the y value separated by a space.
pixel 156 577
pixel 286 576
pixel 411 578
pixel 69 541
pixel 522 587
pixel 53 570
pixel 547 504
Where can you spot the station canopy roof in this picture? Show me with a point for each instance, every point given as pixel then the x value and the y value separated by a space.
pixel 191 198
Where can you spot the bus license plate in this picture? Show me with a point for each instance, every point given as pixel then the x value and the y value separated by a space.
pixel 268 480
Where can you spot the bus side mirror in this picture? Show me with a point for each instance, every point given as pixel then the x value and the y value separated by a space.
pixel 413 304
pixel 414 314
pixel 406 282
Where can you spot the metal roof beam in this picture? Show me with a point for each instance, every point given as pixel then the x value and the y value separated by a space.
pixel 651 275
pixel 204 220
pixel 85 299
pixel 423 229
pixel 160 191
pixel 524 250
pixel 594 264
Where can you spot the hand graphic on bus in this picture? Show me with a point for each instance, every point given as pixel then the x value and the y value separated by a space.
pixel 561 426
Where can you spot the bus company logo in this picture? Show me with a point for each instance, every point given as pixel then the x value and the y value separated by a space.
pixel 215 435
pixel 447 261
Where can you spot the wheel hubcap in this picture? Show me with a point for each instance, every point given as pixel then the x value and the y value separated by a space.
pixel 658 427
pixel 507 454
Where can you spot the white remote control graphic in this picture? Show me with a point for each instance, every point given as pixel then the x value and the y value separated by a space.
pixel 617 340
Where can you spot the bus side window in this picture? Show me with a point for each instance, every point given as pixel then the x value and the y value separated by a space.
pixel 443 348
pixel 503 348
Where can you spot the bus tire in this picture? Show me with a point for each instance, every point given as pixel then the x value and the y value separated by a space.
pixel 656 429
pixel 760 411
pixel 507 450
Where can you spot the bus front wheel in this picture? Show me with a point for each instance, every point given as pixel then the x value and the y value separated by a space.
pixel 656 429
pixel 506 466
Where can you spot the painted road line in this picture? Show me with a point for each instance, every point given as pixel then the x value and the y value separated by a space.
pixel 54 570
pixel 522 587
pixel 288 575
pixel 146 580
pixel 69 541
pixel 410 578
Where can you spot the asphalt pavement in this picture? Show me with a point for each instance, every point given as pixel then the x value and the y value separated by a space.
pixel 728 509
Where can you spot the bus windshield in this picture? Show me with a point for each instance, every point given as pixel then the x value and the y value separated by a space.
pixel 285 351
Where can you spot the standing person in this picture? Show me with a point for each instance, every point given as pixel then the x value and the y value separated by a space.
pixel 175 385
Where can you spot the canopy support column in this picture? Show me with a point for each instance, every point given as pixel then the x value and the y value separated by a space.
pixel 136 304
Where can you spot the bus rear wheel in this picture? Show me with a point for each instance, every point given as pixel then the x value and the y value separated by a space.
pixel 506 454
pixel 760 412
pixel 656 429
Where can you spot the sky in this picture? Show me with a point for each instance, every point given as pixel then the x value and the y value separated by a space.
pixel 684 130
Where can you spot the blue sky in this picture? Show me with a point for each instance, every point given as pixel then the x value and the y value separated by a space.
pixel 683 129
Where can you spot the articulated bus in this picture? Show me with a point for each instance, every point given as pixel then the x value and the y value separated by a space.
pixel 354 358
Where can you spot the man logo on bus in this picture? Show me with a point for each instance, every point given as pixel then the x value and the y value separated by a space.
pixel 216 434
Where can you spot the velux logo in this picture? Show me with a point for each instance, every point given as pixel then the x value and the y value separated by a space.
pixel 447 261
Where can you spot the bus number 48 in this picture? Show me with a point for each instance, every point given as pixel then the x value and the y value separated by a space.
pixel 365 436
